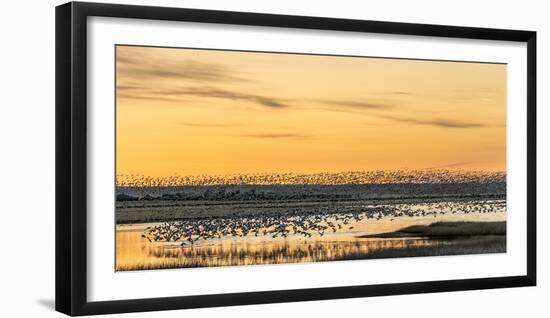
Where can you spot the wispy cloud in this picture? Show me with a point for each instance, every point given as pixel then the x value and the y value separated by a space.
pixel 438 122
pixel 176 94
pixel 210 92
pixel 396 93
pixel 451 165
pixel 207 125
pixel 138 65
pixel 400 93
pixel 378 109
pixel 278 136
pixel 138 86
pixel 140 96
pixel 357 104
pixel 468 95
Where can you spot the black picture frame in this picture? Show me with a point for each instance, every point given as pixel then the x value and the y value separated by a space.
pixel 71 154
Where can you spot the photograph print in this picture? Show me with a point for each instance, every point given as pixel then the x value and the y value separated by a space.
pixel 233 158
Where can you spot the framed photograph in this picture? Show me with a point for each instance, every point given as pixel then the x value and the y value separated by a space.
pixel 210 158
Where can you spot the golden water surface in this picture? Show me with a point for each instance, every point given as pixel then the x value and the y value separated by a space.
pixel 133 252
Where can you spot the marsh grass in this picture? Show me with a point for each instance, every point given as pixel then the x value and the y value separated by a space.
pixel 464 238
pixel 465 246
pixel 256 254
pixel 448 229
pixel 458 229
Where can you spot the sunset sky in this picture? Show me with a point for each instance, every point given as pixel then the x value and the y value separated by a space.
pixel 202 112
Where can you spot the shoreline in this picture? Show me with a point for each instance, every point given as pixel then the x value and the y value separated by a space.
pixel 446 230
pixel 469 242
pixel 208 209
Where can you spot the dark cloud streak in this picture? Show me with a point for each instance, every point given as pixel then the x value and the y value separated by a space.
pixel 136 66
pixel 356 104
pixel 206 125
pixel 438 122
pixel 175 94
pixel 396 93
pixel 278 136
pixel 209 92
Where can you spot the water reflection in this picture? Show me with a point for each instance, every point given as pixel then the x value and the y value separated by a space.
pixel 134 252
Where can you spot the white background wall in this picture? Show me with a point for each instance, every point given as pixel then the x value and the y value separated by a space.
pixel 27 158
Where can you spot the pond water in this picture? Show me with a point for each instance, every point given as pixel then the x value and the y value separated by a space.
pixel 136 252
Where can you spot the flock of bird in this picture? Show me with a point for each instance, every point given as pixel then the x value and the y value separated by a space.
pixel 299 223
pixel 328 178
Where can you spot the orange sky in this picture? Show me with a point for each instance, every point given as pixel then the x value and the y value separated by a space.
pixel 196 112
